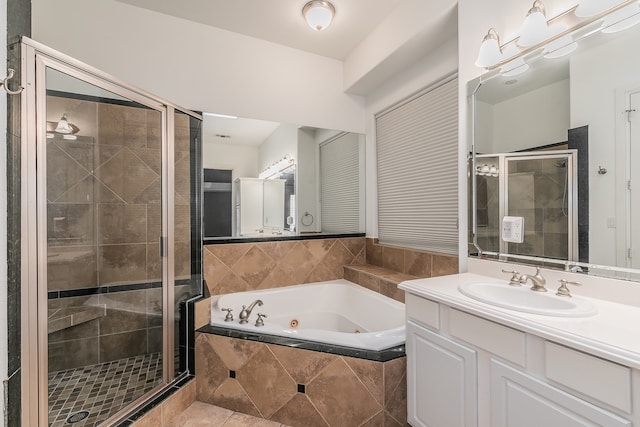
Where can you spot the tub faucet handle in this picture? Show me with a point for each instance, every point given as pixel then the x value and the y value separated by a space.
pixel 515 278
pixel 259 321
pixel 563 291
pixel 229 316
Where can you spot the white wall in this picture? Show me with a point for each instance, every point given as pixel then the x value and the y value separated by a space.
pixel 3 209
pixel 283 141
pixel 242 159
pixel 307 179
pixel 546 120
pixel 596 76
pixel 198 66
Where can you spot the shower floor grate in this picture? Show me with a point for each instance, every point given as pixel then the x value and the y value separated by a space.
pixel 101 389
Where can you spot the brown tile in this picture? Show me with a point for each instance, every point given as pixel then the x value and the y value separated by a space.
pixel 318 248
pixel 355 245
pixel 154 222
pixel 277 250
pixel 152 194
pixel 154 304
pixel 243 420
pixel 199 414
pixel 376 421
pixel 394 371
pixel 234 352
pixel 321 274
pixel 230 283
pixel 230 253
pixel 89 190
pixel 183 178
pixel 151 157
pixel 178 402
pixel 277 279
pixel 230 395
pixel 63 172
pixel 393 258
pixel 116 321
pixel 73 354
pixel 266 382
pixel 84 330
pixel 183 260
pixel 371 375
pixel 334 393
pixel 417 263
pixel 374 253
pixel 337 257
pixel 351 274
pixel 214 269
pixel 299 411
pixel 211 369
pixel 298 263
pixel 444 265
pixel 372 269
pixel 154 263
pixel 70 224
pixel 253 267
pixel 126 175
pixel 369 281
pixel 390 421
pixel 122 345
pixel 72 268
pixel 122 263
pixel 390 289
pixel 182 223
pixel 361 258
pixel 203 312
pixel 396 405
pixel 302 365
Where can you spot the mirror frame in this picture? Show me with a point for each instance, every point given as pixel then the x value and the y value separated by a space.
pixel 581 30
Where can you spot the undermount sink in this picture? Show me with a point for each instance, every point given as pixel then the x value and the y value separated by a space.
pixel 521 298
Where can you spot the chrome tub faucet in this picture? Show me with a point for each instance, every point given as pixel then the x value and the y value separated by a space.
pixel 246 311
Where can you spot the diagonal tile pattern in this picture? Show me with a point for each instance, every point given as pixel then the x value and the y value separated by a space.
pixel 299 387
pixel 262 265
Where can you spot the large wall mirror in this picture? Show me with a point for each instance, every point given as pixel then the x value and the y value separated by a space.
pixel 267 180
pixel 556 151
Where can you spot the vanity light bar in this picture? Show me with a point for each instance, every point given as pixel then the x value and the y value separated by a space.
pixel 572 19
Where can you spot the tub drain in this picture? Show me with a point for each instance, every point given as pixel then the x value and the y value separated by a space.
pixel 294 323
pixel 77 417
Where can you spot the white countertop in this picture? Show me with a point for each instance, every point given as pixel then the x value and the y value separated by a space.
pixel 613 333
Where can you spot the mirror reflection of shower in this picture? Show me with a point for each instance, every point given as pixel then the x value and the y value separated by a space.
pixel 563 164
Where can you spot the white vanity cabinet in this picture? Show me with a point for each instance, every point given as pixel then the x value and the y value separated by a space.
pixel 465 370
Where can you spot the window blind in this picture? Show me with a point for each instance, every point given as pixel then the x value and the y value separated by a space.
pixel 340 184
pixel 417 159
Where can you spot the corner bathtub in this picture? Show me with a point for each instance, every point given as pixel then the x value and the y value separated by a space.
pixel 336 312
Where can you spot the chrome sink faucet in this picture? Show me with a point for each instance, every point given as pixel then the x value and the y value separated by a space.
pixel 246 311
pixel 537 280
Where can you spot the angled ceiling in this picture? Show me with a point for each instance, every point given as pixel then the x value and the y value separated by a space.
pixel 281 21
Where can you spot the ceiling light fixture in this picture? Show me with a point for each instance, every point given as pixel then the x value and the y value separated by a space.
pixel 64 126
pixel 318 14
pixel 534 28
pixel 622 19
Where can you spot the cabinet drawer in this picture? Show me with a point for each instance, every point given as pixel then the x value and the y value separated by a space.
pixel 605 381
pixel 423 311
pixel 500 340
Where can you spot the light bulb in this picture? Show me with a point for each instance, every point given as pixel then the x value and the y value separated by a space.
pixel 534 28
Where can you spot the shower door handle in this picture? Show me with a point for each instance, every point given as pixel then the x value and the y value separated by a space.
pixel 161 246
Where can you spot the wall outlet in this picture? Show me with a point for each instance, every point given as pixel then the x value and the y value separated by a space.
pixel 513 229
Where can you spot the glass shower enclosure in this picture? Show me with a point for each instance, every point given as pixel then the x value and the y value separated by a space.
pixel 541 188
pixel 111 233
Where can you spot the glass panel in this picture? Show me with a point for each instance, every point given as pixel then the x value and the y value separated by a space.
pixel 538 191
pixel 188 232
pixel 104 273
pixel 488 203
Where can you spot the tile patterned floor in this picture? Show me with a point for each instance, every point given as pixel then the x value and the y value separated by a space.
pixel 101 389
pixel 201 414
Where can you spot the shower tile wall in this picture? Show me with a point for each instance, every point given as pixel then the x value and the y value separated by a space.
pixel 104 194
pixel 249 266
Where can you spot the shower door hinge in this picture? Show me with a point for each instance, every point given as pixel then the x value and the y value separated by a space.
pixel 629 185
pixel 629 253
pixel 629 111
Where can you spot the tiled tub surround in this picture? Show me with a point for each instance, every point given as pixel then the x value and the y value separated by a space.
pixel 239 267
pixel 299 387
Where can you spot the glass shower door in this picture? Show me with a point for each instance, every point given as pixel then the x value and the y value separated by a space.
pixel 104 267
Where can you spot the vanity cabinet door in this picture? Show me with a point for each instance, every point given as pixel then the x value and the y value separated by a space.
pixel 441 380
pixel 521 400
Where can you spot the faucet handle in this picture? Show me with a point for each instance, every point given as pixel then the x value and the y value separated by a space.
pixel 259 321
pixel 515 278
pixel 229 316
pixel 563 290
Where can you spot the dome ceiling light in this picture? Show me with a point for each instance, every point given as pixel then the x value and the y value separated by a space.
pixel 318 14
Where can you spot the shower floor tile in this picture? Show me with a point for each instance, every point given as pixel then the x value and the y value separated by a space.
pixel 102 389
